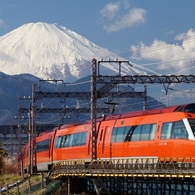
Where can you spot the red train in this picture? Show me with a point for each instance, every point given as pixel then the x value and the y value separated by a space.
pixel 159 133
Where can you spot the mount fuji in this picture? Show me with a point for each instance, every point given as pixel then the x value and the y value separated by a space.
pixel 51 51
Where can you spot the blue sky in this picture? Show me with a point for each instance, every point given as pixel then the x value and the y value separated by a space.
pixel 150 33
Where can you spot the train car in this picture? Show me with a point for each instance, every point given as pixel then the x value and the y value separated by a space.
pixel 72 142
pixel 44 150
pixel 160 133
pixel 44 153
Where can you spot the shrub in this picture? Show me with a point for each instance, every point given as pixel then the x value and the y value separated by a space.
pixel 3 155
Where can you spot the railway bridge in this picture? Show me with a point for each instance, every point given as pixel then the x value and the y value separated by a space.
pixel 143 176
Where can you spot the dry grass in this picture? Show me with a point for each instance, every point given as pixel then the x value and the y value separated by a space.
pixel 9 176
pixel 8 167
pixel 24 186
pixel 9 179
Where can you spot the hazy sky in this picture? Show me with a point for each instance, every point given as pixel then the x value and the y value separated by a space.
pixel 156 34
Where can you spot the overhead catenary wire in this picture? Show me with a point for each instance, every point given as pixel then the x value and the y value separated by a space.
pixel 160 46
pixel 112 97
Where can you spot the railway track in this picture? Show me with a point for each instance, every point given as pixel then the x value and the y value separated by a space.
pixel 134 167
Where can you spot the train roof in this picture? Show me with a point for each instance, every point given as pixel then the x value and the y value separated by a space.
pixel 69 125
pixel 188 108
pixel 45 132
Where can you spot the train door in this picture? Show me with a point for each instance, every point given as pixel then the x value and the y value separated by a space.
pixel 103 141
pixel 51 146
pixel 156 139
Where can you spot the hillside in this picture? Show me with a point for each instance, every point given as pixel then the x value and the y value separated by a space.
pixel 13 87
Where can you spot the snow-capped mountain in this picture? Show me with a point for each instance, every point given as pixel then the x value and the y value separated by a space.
pixel 50 51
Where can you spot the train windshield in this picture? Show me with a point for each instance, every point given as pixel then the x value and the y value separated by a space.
pixel 192 125
pixel 190 108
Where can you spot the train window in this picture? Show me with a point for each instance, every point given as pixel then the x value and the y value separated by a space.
pixel 136 133
pixel 128 133
pixel 133 133
pixel 79 139
pixel 152 131
pixel 174 130
pixel 192 125
pixel 57 142
pixel 166 131
pixel 71 137
pixel 42 145
pixel 62 141
pixel 67 141
pixel 120 134
pixel 76 139
pixel 148 132
pixel 114 131
pixel 83 138
pixel 145 132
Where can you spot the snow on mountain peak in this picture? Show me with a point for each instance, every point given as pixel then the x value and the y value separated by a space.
pixel 51 51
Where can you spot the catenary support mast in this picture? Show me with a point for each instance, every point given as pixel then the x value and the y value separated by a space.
pixel 33 130
pixel 93 108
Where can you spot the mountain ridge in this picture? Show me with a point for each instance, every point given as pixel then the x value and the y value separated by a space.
pixel 51 51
